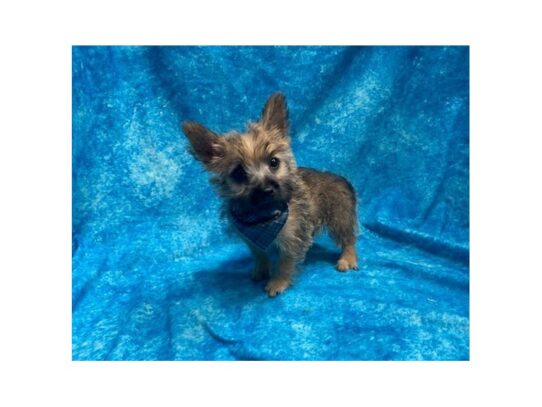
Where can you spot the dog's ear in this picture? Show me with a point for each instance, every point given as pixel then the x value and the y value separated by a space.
pixel 206 145
pixel 275 113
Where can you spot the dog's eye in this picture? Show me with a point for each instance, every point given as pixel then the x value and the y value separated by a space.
pixel 274 162
pixel 239 174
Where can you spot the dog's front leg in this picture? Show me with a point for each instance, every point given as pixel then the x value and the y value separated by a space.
pixel 283 279
pixel 261 264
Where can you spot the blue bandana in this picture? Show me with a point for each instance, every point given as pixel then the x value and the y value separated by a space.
pixel 261 227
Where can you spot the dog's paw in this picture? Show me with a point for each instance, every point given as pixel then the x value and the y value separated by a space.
pixel 276 286
pixel 345 264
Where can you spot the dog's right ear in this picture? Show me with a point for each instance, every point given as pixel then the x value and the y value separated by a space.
pixel 206 146
pixel 275 113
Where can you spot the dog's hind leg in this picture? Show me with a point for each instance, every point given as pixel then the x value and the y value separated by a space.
pixel 342 225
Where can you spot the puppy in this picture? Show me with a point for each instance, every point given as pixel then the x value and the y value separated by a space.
pixel 270 200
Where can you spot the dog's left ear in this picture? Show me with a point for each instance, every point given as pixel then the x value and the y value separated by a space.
pixel 275 113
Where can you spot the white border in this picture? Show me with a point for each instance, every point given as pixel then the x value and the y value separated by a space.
pixel 35 170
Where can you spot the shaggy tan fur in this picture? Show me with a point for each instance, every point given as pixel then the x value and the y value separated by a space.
pixel 241 164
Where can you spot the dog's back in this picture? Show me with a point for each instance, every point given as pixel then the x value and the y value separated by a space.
pixel 335 201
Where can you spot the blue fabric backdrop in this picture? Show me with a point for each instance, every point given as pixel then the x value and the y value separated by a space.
pixel 155 276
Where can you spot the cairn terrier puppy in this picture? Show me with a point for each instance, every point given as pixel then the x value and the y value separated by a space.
pixel 270 200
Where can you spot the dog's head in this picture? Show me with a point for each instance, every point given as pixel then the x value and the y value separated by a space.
pixel 250 169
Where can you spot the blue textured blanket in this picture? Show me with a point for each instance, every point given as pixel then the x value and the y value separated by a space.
pixel 155 277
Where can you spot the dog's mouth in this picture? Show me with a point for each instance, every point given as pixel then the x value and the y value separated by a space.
pixel 260 214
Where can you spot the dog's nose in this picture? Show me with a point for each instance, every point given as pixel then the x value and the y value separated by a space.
pixel 261 195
